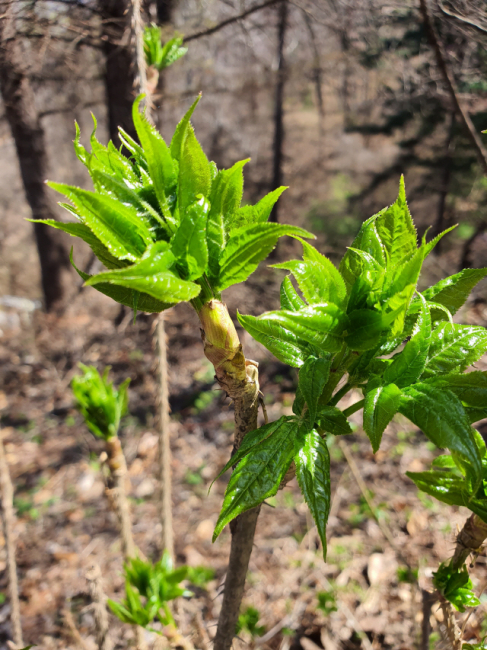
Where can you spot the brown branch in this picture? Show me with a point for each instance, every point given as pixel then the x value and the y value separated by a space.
pixel 8 516
pixel 240 380
pixel 117 495
pixel 441 60
pixel 229 21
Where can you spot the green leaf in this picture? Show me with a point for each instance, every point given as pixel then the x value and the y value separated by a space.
pixel 313 375
pixel 248 246
pixel 258 475
pixel 114 224
pixel 430 245
pixel 117 189
pixel 452 292
pixel 441 416
pixel 316 276
pixel 283 344
pixel 381 405
pixel 84 233
pixel 226 192
pixel 365 328
pixel 368 241
pixel 290 299
pixel 189 243
pixel 181 130
pixel 337 288
pixel 454 348
pixel 128 297
pixel 152 276
pixel 159 161
pixel 332 420
pixel 396 230
pixel 320 325
pixel 251 440
pixel 313 474
pixel 259 213
pixel 225 197
pixel 470 388
pixel 194 172
pixel 409 365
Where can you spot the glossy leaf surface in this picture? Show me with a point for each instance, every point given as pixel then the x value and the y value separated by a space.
pixel 247 247
pixel 381 405
pixel 259 474
pixel 313 474
pixel 441 416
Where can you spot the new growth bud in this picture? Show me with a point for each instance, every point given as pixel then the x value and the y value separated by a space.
pixel 222 345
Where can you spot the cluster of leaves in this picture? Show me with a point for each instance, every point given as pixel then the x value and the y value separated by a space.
pixel 99 402
pixel 452 479
pixel 248 621
pixel 149 587
pixel 158 55
pixel 164 221
pixel 349 321
pixel 455 586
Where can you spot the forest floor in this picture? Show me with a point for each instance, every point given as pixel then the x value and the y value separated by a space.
pixel 369 587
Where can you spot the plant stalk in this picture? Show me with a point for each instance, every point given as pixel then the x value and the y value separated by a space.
pixel 7 494
pixel 239 379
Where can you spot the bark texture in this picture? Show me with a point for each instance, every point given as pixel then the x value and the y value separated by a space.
pixel 117 495
pixel 240 380
pixel 28 135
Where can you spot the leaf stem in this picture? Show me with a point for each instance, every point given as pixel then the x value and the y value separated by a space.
pixel 355 407
pixel 340 393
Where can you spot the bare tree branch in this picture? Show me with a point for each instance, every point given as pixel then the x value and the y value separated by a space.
pixel 441 60
pixel 229 21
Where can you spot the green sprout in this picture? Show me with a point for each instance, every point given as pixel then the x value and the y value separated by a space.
pixel 99 402
pixel 158 55
pixel 148 589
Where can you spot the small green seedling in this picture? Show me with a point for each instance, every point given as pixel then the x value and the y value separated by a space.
pixel 158 55
pixel 148 589
pixel 326 602
pixel 455 586
pixel 101 405
pixel 248 622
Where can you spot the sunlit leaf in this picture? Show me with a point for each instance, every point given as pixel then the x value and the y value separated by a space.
pixel 313 474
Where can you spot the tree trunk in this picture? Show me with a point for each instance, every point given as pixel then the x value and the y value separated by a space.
pixel 278 145
pixel 28 135
pixel 165 9
pixel 119 70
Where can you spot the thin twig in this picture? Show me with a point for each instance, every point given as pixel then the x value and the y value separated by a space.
pixel 8 517
pixel 165 501
pixel 441 60
pixel 229 21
